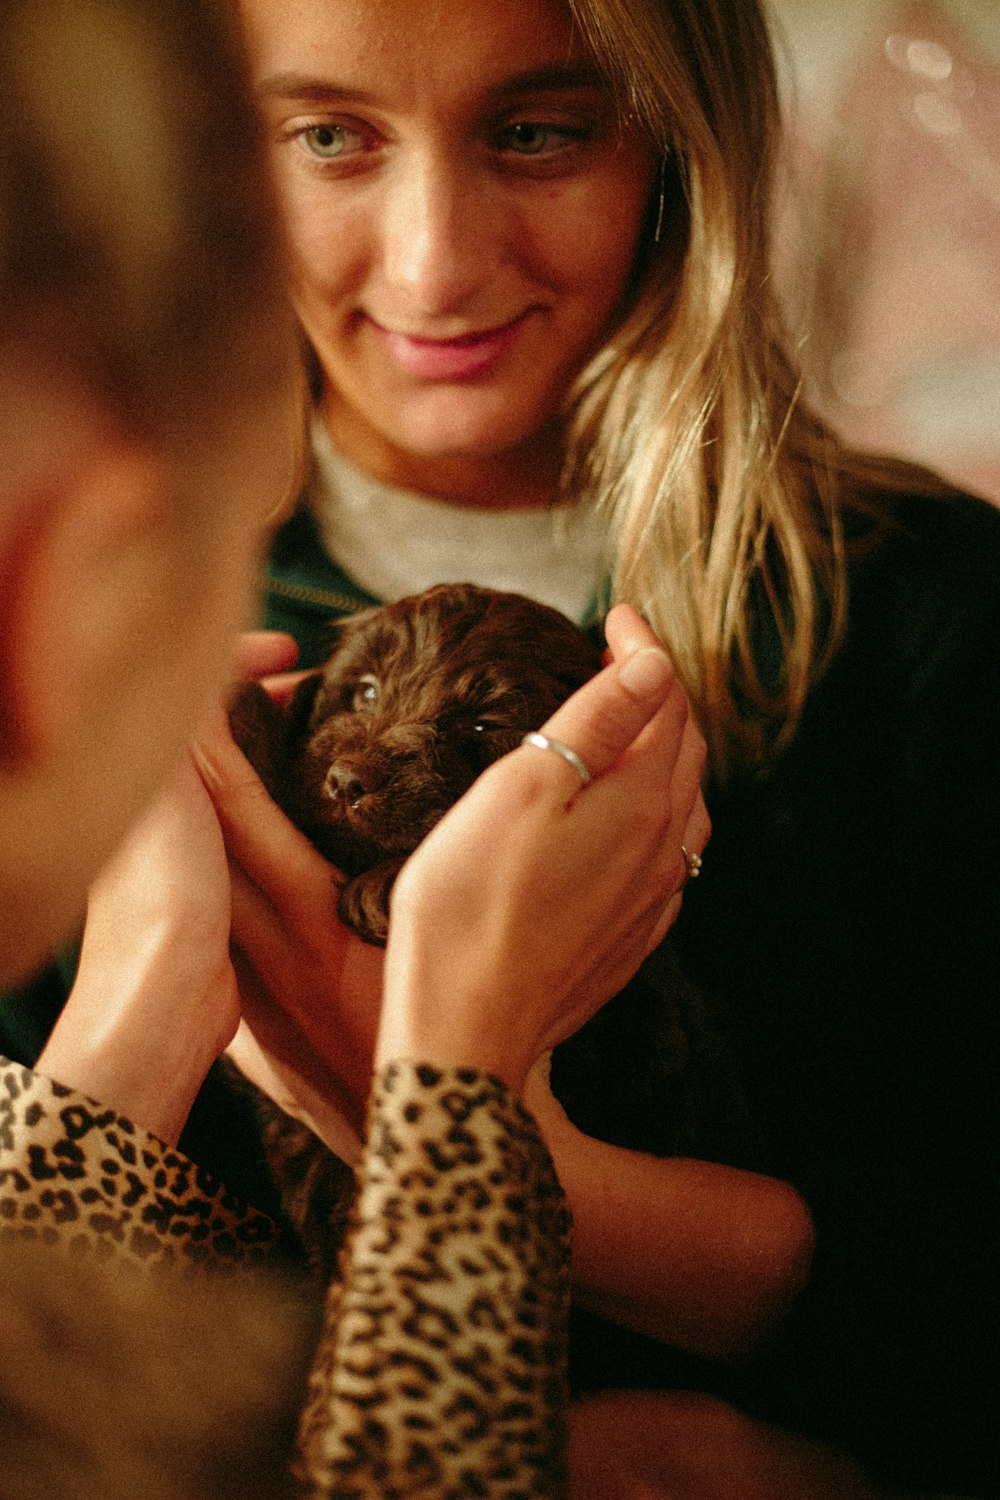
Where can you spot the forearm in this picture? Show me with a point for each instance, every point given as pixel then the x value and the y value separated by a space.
pixel 125 1035
pixel 442 1364
pixel 701 1256
pixel 79 1175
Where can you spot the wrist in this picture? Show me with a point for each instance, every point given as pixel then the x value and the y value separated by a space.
pixel 141 1030
pixel 423 1024
pixel 447 1048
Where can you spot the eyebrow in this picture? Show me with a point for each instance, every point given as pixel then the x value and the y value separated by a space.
pixel 551 78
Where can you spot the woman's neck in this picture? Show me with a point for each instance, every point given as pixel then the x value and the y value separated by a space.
pixel 524 477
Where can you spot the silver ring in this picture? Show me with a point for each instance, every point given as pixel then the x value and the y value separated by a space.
pixel 542 742
pixel 693 862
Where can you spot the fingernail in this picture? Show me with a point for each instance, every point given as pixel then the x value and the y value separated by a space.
pixel 205 765
pixel 647 673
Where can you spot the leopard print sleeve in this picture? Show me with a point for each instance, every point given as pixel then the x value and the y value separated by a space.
pixel 441 1371
pixel 75 1174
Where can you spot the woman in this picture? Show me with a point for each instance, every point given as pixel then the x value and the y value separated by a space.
pixel 446 203
pixel 531 248
pixel 467 224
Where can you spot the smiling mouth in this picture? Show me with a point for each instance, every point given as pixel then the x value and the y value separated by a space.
pixel 462 357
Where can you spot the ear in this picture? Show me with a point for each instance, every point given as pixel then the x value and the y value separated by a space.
pixel 300 707
pixel 257 724
pixel 76 569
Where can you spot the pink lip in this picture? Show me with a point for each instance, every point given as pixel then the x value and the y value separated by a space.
pixel 461 358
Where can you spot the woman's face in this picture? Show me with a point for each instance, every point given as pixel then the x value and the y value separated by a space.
pixel 464 212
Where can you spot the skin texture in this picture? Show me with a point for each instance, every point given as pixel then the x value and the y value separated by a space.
pixel 455 171
pixel 115 1039
pixel 638 1446
pixel 632 725
pixel 121 606
pixel 724 1250
pixel 530 800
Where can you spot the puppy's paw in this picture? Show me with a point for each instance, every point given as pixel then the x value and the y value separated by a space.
pixel 364 902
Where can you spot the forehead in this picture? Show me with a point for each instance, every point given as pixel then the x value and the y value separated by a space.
pixel 443 48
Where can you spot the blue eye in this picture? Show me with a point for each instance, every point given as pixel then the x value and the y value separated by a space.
pixel 329 141
pixel 528 138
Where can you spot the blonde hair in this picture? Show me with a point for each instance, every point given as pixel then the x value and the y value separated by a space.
pixel 137 228
pixel 727 495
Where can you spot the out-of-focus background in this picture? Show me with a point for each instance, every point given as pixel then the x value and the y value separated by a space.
pixel 890 255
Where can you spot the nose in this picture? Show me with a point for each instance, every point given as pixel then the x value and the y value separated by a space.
pixel 440 242
pixel 342 782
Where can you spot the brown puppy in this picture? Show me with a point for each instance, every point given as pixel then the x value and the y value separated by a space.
pixel 415 701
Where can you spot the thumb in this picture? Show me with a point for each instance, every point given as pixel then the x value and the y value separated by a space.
pixel 605 716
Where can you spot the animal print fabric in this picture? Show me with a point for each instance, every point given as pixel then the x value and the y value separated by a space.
pixel 78 1175
pixel 440 1371
pixel 442 1375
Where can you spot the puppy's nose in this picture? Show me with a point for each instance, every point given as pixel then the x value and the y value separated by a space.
pixel 342 782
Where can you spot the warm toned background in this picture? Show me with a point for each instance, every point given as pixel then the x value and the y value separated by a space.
pixel 891 259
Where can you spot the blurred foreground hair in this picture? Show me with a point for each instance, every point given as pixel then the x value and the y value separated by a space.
pixel 117 1384
pixel 137 226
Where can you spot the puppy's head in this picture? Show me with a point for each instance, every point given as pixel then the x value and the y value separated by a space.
pixel 417 699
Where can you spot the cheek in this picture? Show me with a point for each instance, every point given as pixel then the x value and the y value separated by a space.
pixel 590 243
pixel 614 245
pixel 327 246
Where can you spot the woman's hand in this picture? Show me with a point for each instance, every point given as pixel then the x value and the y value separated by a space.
pixel 310 989
pixel 535 899
pixel 652 1445
pixel 155 999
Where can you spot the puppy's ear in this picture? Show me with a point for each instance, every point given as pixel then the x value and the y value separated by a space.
pixel 267 732
pixel 300 706
pixel 256 723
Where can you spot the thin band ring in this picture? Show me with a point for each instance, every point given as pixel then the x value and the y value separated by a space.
pixel 693 862
pixel 542 742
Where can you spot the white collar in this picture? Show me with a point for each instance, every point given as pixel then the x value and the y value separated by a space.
pixel 394 542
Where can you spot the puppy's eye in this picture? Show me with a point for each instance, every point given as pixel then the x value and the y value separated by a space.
pixel 365 693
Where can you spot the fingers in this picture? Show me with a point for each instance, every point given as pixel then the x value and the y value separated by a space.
pixel 698 829
pixel 259 652
pixel 282 686
pixel 605 716
pixel 690 812
pixel 266 844
pixel 627 632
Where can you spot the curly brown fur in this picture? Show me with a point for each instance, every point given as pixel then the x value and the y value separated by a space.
pixel 315 1187
pixel 416 700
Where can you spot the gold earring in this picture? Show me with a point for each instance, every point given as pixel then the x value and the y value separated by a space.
pixel 659 212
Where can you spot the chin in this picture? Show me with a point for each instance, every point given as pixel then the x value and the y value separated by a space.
pixel 444 430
